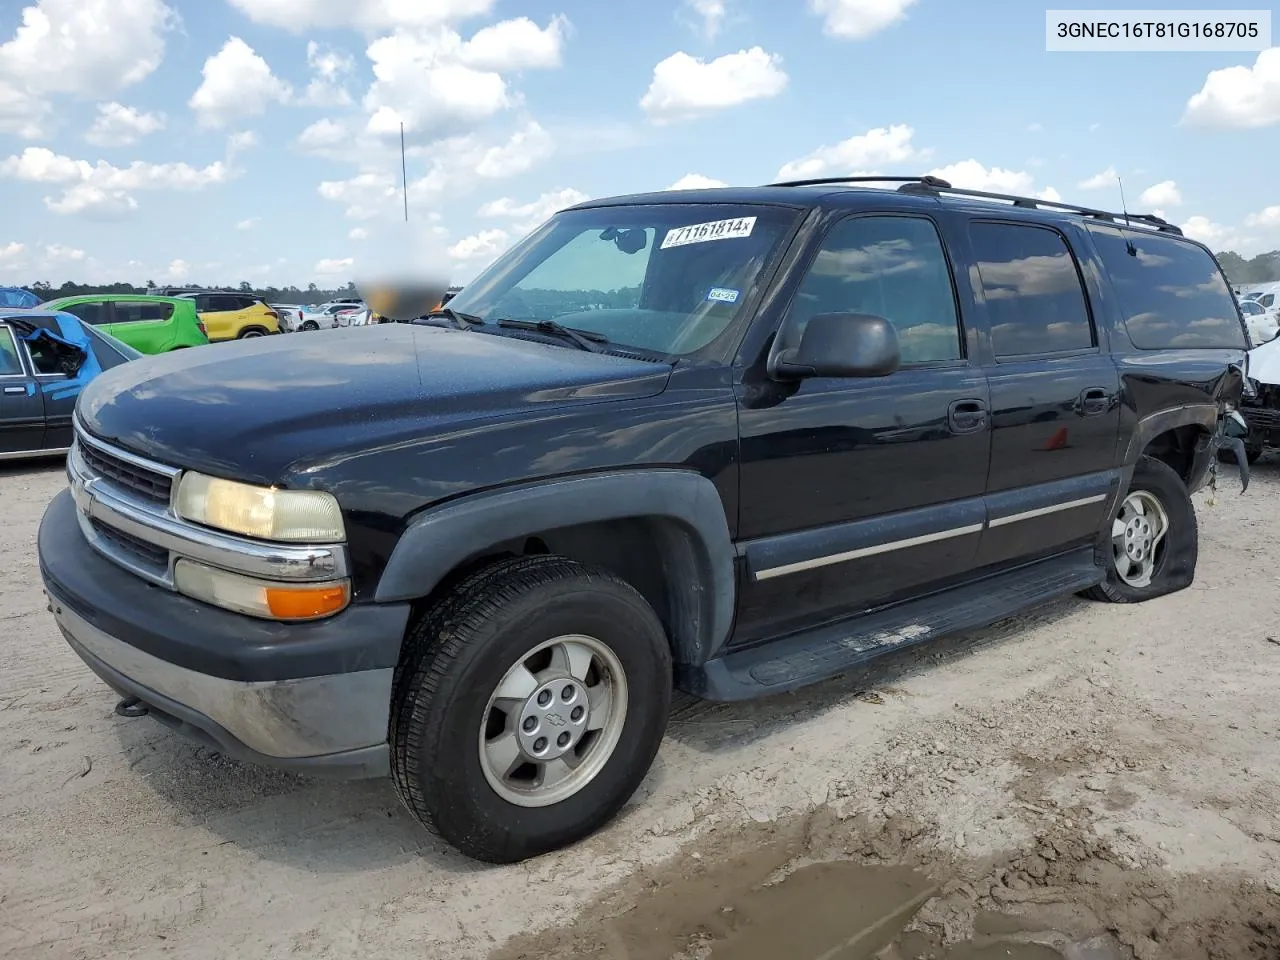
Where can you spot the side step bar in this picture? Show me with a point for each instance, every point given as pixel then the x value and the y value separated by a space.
pixel 804 658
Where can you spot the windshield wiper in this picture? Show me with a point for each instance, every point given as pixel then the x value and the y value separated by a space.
pixel 463 321
pixel 585 339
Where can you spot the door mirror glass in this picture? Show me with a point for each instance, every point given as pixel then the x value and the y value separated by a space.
pixel 842 345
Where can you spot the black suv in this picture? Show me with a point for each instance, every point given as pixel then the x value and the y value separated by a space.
pixel 732 441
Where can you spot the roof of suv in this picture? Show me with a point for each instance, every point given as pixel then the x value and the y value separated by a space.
pixel 911 193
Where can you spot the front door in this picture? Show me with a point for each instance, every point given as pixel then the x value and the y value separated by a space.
pixel 21 403
pixel 855 493
pixel 1055 393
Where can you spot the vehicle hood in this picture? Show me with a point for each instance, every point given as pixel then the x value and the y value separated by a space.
pixel 264 409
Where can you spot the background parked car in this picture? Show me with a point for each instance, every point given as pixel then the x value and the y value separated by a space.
pixel 1262 326
pixel 234 316
pixel 46 359
pixel 18 297
pixel 148 324
pixel 291 317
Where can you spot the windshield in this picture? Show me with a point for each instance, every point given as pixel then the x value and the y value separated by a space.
pixel 667 278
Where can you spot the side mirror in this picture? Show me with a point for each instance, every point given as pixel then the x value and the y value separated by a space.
pixel 842 345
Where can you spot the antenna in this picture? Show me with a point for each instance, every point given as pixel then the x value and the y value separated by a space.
pixel 404 173
pixel 1124 208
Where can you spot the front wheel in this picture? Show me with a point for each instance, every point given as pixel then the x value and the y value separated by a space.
pixel 530 704
pixel 309 326
pixel 1153 542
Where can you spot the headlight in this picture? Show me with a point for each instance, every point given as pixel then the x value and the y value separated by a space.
pixel 310 516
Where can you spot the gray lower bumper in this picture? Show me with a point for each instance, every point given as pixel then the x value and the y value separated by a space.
pixel 326 726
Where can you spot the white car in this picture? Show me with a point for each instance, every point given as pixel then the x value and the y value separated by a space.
pixel 1261 323
pixel 291 317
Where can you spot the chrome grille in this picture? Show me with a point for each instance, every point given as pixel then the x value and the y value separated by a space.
pixel 149 484
pixel 155 559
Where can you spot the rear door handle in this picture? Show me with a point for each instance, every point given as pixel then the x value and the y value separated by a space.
pixel 966 416
pixel 1093 401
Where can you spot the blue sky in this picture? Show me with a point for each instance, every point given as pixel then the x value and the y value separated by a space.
pixel 215 141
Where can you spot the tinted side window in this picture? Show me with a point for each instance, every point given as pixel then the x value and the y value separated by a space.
pixel 90 313
pixel 1035 299
pixel 127 312
pixel 10 364
pixel 1268 301
pixel 891 267
pixel 1171 292
pixel 223 302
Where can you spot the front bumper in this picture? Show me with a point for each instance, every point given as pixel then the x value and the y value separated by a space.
pixel 313 697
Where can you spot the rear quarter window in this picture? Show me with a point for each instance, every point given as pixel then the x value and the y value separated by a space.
pixel 1172 293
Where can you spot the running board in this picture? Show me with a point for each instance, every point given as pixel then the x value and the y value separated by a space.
pixel 804 658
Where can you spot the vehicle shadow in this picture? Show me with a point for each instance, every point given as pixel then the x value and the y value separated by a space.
pixel 714 727
pixel 354 827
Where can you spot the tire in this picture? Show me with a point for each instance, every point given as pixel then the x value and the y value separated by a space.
pixel 461 649
pixel 251 332
pixel 309 326
pixel 1175 555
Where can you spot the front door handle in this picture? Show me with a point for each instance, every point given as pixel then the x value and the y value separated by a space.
pixel 15 389
pixel 966 416
pixel 1093 401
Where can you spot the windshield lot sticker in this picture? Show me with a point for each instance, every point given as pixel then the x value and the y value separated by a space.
pixel 722 295
pixel 704 232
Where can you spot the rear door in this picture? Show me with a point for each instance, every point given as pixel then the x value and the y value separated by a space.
pixel 1055 390
pixel 144 325
pixel 21 402
pixel 220 313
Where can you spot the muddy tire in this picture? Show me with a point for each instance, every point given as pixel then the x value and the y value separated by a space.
pixel 528 706
pixel 1154 538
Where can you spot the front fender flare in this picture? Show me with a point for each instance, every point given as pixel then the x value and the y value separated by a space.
pixel 700 559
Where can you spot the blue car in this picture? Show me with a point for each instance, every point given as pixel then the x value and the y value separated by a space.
pixel 46 359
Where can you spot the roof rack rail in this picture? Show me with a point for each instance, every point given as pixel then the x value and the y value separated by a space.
pixel 823 181
pixel 936 185
pixel 921 185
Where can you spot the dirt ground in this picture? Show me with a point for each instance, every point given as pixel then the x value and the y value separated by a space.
pixel 1089 781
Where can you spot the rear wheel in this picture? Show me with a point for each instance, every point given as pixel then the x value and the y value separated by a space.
pixel 252 332
pixel 530 704
pixel 1153 540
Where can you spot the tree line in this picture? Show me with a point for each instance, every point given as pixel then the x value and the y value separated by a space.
pixel 311 295
pixel 1264 268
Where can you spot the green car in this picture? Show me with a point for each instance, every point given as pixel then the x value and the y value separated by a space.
pixel 148 324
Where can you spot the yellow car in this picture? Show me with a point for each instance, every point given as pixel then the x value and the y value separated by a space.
pixel 234 316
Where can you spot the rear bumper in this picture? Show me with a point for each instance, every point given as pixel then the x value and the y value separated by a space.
pixel 311 697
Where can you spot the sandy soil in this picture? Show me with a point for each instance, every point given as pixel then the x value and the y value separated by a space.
pixel 1114 768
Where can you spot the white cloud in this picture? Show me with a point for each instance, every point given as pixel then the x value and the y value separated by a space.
pixel 1050 194
pixel 1269 217
pixel 1239 96
pixel 439 85
pixel 527 217
pixel 1163 194
pixel 485 245
pixel 326 138
pixel 456 165
pixel 83 48
pixel 972 175
pixel 859 19
pixel 1100 181
pixel 12 254
pixel 696 181
pixel 1035 128
pixel 237 84
pixel 119 126
pixel 329 68
pixel 866 151
pixel 367 15
pixel 59 253
pixel 1213 235
pixel 177 271
pixel 248 224
pixel 239 142
pixel 103 190
pixel 711 13
pixel 684 87
pixel 329 267
pixel 358 233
